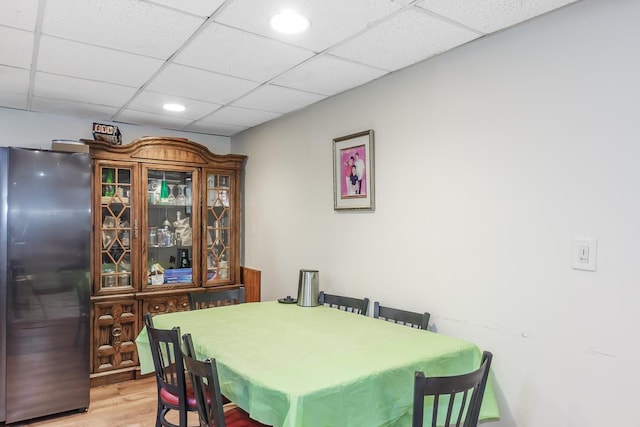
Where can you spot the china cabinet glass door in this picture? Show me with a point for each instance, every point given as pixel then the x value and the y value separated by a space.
pixel 116 228
pixel 169 234
pixel 218 245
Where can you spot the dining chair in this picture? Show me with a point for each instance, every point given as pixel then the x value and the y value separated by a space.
pixel 173 393
pixel 198 300
pixel 462 394
pixel 402 317
pixel 350 304
pixel 212 411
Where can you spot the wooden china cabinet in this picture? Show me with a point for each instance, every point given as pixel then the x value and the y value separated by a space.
pixel 166 222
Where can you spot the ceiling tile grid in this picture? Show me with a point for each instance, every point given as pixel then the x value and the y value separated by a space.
pixel 120 60
pixel 233 52
pixel 95 63
pixel 242 117
pixel 19 51
pixel 131 26
pixel 152 102
pixel 19 14
pixel 328 75
pixel 95 112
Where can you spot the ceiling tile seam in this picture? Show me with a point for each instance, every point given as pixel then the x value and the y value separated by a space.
pixel 353 61
pixel 366 29
pixel 262 84
pixel 173 9
pixel 173 117
pixel 37 35
pixel 74 101
pixel 113 49
pixel 16 28
pixel 84 79
pixel 232 106
pixel 164 65
pixel 448 20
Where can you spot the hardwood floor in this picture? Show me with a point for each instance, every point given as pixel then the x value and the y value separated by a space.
pixel 125 404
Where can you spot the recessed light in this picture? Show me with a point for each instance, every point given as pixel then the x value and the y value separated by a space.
pixel 289 22
pixel 176 108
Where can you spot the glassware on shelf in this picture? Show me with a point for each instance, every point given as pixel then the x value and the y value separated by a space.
pixel 166 223
pixel 153 236
pixel 125 239
pixel 109 190
pixel 164 191
pixel 181 199
pixel 171 200
pixel 224 198
pixel 187 192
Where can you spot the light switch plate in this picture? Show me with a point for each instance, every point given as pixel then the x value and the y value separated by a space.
pixel 585 251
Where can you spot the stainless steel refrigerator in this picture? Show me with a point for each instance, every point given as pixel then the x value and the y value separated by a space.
pixel 45 229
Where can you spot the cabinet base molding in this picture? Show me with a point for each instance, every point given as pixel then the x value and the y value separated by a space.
pixel 112 377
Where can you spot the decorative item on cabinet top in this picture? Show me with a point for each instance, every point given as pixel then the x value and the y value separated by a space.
pixel 108 133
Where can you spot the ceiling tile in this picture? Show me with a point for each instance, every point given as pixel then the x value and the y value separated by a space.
pixel 328 75
pixel 95 56
pixel 13 100
pixel 491 15
pixel 19 13
pixel 409 37
pixel 72 89
pixel 77 109
pixel 331 20
pixel 240 116
pixel 150 119
pixel 202 8
pixel 214 128
pixel 16 47
pixel 199 84
pixel 13 80
pixel 70 58
pixel 152 102
pixel 238 53
pixel 131 26
pixel 277 99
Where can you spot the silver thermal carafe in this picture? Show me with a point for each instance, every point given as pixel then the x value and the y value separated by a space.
pixel 308 288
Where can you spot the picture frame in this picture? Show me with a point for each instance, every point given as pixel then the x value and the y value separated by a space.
pixel 353 172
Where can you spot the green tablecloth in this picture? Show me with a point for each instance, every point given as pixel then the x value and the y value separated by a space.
pixel 317 366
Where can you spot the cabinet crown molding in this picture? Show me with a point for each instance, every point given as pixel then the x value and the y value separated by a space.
pixel 163 148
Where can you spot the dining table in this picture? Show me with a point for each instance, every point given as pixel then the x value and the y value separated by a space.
pixel 294 366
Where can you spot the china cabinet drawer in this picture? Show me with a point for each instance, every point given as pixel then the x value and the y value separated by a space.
pixel 165 304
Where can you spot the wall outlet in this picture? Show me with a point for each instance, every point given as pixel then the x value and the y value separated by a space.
pixel 585 251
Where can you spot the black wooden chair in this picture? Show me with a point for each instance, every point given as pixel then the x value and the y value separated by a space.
pixel 198 300
pixel 467 389
pixel 206 385
pixel 402 317
pixel 173 393
pixel 350 304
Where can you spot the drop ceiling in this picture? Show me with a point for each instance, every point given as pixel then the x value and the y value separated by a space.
pixel 121 60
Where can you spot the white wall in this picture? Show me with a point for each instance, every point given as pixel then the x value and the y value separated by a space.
pixel 36 130
pixel 488 160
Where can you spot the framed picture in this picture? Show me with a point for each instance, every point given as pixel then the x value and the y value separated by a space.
pixel 353 178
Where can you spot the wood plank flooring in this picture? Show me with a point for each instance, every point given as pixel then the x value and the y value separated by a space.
pixel 125 404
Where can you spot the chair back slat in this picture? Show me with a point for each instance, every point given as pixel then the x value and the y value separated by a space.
pixel 402 317
pixel 200 300
pixel 467 389
pixel 206 385
pixel 350 304
pixel 169 371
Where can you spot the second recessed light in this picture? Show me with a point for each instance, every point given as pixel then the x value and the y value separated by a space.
pixel 289 22
pixel 176 108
